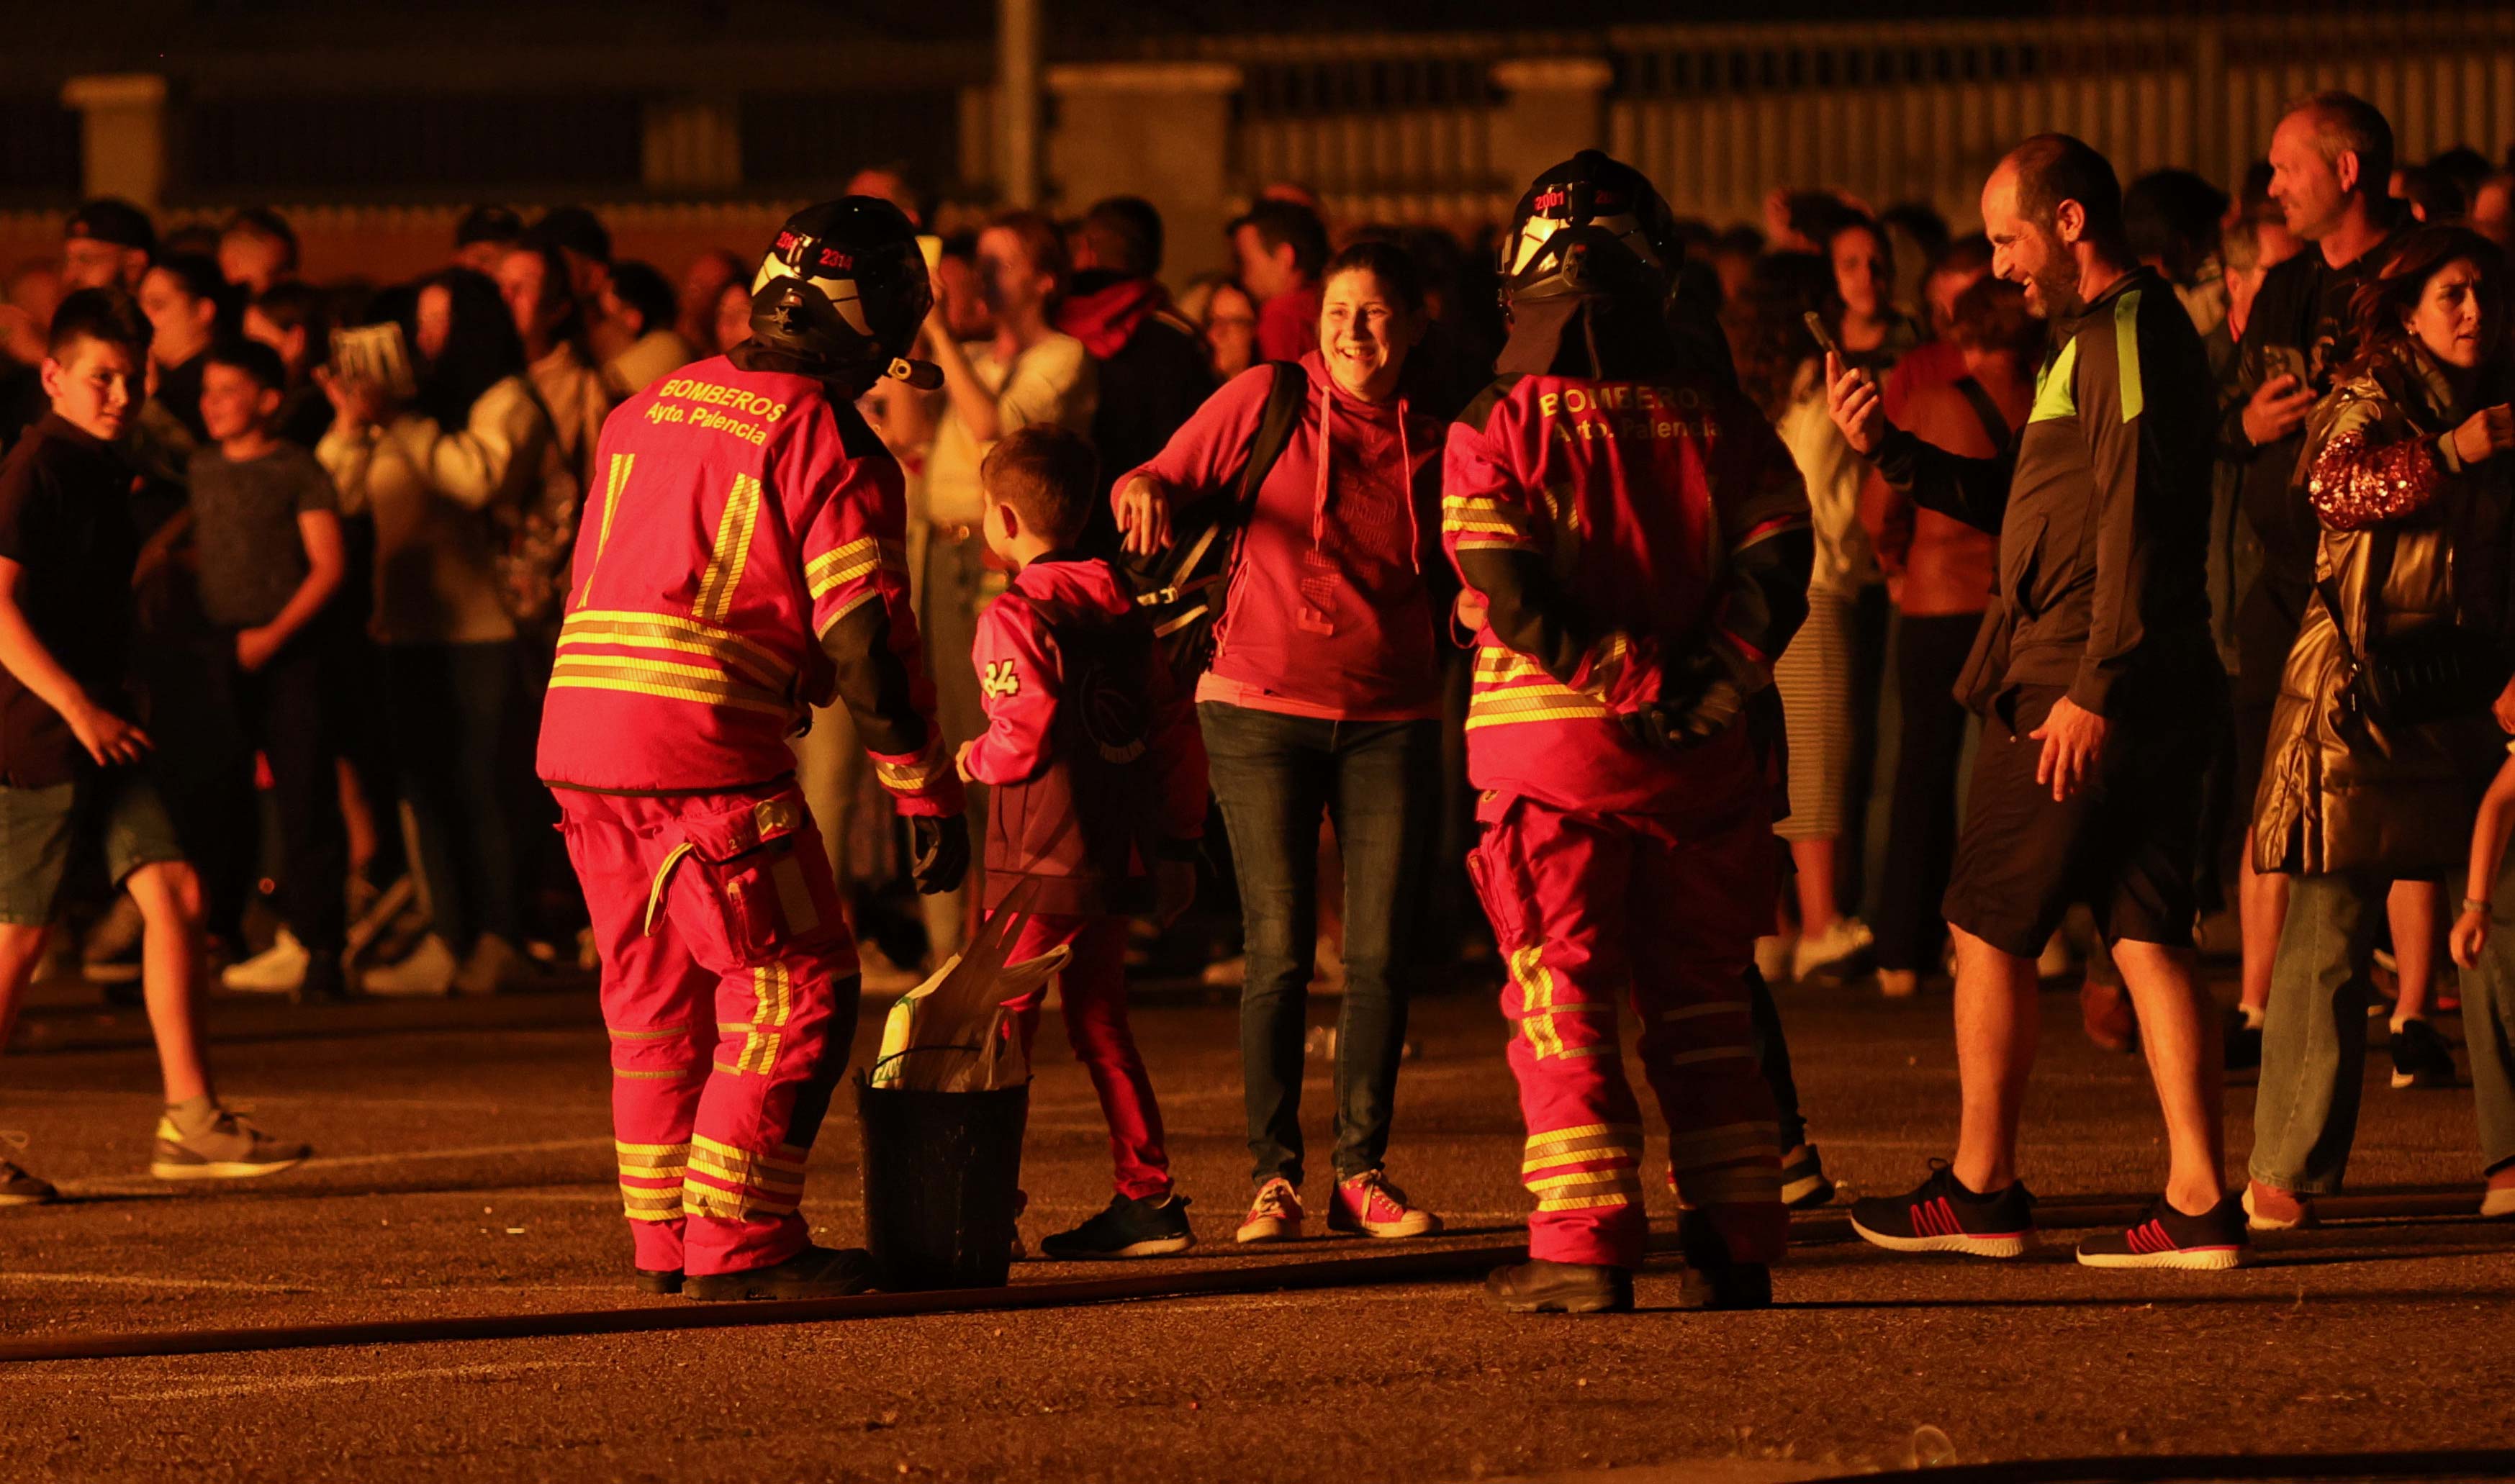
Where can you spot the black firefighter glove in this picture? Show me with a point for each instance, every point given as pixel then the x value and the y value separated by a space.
pixel 943 851
pixel 1699 698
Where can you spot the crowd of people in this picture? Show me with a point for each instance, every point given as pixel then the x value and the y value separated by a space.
pixel 2183 510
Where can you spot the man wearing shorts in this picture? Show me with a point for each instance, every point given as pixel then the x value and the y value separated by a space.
pixel 2100 692
pixel 73 776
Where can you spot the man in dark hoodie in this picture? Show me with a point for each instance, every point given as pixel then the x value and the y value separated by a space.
pixel 1153 372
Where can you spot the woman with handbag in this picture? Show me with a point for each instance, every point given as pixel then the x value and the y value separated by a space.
pixel 2384 735
pixel 1322 699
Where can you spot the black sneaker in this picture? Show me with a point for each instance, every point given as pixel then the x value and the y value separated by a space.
pixel 2244 1041
pixel 2167 1238
pixel 1540 1286
pixel 1943 1216
pixel 1130 1228
pixel 1803 1181
pixel 815 1273
pixel 2420 1056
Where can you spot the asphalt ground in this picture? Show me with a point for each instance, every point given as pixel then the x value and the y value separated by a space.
pixel 464 1167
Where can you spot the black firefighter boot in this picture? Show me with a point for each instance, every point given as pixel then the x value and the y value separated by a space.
pixel 1714 1280
pixel 1540 1286
pixel 815 1273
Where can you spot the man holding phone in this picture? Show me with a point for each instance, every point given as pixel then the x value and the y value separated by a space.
pixel 2331 162
pixel 2096 678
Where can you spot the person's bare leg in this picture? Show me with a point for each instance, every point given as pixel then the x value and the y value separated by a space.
pixel 2261 903
pixel 168 895
pixel 2416 910
pixel 21 952
pixel 2178 1028
pixel 1998 1021
pixel 1814 860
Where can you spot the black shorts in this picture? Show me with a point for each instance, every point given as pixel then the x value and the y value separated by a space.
pixel 2122 845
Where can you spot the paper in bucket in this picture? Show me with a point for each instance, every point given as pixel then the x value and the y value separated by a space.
pixel 951 1033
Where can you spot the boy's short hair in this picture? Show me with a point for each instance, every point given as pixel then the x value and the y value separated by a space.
pixel 109 315
pixel 1278 223
pixel 1048 474
pixel 269 225
pixel 254 359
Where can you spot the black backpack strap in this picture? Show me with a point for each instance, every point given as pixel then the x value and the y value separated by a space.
pixel 1284 396
pixel 1986 409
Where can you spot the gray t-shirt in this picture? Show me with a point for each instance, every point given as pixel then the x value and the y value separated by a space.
pixel 244 524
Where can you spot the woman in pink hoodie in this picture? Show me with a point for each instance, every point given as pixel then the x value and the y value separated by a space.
pixel 1323 699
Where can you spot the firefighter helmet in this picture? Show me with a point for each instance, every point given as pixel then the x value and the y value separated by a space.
pixel 1591 227
pixel 843 290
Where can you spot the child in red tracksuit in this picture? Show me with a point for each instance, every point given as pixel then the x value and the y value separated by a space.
pixel 1097 798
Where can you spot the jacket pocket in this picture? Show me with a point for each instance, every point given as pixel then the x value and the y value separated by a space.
pixel 2021 559
pixel 756 876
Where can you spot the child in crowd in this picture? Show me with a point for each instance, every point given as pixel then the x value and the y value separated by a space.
pixel 73 778
pixel 1097 778
pixel 2489 991
pixel 267 528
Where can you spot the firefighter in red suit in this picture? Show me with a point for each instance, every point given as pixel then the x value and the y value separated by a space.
pixel 1640 540
pixel 740 561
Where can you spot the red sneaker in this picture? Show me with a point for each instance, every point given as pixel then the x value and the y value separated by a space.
pixel 1368 1206
pixel 1275 1216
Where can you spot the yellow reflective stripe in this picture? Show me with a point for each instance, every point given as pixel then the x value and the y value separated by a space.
pixel 659 678
pixel 1564 711
pixel 1531 698
pixel 1494 543
pixel 1726 1143
pixel 707 1201
pixel 672 1149
pixel 1620 1178
pixel 732 550
pixel 727 1154
pixel 615 482
pixel 649 1076
pixel 1536 985
pixel 1494 663
pixel 686 628
pixel 674 1215
pixel 670 1159
pixel 732 663
pixel 1710 1053
pixel 1551 1137
pixel 1586 1202
pixel 1735 1184
pixel 858 558
pixel 641 1198
pixel 665 1033
pixel 700 1164
pixel 908 777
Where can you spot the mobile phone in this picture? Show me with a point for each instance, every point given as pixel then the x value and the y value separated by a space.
pixel 2285 360
pixel 1816 327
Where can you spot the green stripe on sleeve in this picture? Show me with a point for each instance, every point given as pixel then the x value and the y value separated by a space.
pixel 2126 353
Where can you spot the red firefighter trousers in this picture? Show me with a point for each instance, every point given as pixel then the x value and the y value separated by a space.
pixel 1094 988
pixel 1591 910
pixel 729 989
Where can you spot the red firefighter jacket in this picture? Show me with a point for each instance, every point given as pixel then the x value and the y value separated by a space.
pixel 1617 528
pixel 1092 754
pixel 740 559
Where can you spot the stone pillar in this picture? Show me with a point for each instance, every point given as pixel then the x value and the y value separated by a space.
pixel 1552 108
pixel 691 143
pixel 122 134
pixel 1157 130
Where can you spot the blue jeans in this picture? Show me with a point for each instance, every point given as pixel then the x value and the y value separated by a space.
pixel 1377 781
pixel 2314 1034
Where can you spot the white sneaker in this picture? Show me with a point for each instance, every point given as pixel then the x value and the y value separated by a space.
pixel 1899 983
pixel 1828 951
pixel 2498 1201
pixel 279 969
pixel 2055 962
pixel 1773 959
pixel 1225 974
pixel 494 964
pixel 428 974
